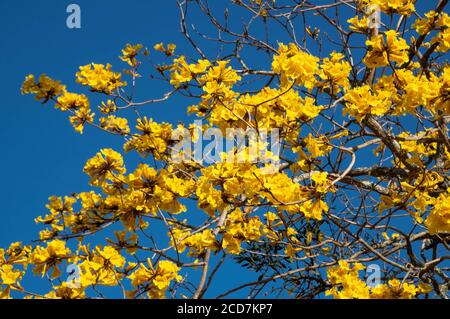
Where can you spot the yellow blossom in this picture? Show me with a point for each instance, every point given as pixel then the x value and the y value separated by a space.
pixel 383 52
pixel 129 54
pixel 100 78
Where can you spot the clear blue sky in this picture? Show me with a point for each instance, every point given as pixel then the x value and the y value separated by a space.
pixel 41 154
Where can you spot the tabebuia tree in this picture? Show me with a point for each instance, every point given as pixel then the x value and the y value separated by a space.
pixel 315 157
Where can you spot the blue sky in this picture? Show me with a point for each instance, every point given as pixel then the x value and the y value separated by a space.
pixel 41 153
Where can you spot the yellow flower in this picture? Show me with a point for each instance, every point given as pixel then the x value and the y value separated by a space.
pixel 169 51
pixel 129 243
pixel 334 73
pixel 239 228
pixel 129 54
pixel 81 117
pixel 166 271
pixel 443 38
pixel 106 164
pixel 314 208
pixel 181 72
pixel 111 256
pixel 45 89
pixel 425 25
pixel 395 289
pixel 293 64
pixel 382 52
pixel 361 101
pixel 99 266
pixel 72 101
pixel 439 219
pixel 403 7
pixel 100 78
pixel 321 181
pixel 220 74
pixel 78 104
pixel 115 124
pixel 152 140
pixel 108 107
pixel 9 276
pixel 359 25
pixel 65 291
pixel 346 283
pixel 200 241
pixel 17 253
pixel 200 67
pixel 317 147
pixel 57 206
pixel 159 279
pixel 45 259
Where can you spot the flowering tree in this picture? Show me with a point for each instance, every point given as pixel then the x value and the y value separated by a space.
pixel 356 176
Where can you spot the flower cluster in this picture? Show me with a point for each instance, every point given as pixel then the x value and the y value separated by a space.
pixel 129 54
pixel 45 89
pixel 155 280
pixel 347 285
pixel 384 52
pixel 295 65
pixel 100 78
